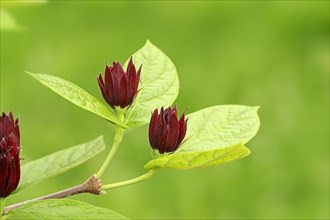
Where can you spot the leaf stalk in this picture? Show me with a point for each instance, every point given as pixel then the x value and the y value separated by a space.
pixel 131 181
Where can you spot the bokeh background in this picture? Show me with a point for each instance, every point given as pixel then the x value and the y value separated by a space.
pixel 274 54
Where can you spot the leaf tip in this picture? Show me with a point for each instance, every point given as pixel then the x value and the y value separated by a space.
pixel 149 44
pixel 34 75
pixel 100 138
pixel 25 71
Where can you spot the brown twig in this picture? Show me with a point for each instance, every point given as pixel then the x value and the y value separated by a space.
pixel 92 186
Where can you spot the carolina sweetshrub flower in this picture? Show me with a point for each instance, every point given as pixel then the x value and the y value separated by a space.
pixel 166 131
pixel 9 154
pixel 119 88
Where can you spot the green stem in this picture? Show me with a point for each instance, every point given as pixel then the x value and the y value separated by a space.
pixel 118 137
pixel 2 205
pixel 131 181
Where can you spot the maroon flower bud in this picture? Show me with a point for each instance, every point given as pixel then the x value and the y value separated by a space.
pixel 9 154
pixel 119 88
pixel 166 132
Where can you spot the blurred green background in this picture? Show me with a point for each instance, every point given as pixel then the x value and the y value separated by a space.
pixel 271 54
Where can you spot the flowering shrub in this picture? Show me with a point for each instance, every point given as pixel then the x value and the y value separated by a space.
pixel 210 136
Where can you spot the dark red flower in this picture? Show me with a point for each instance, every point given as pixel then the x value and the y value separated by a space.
pixel 10 171
pixel 166 131
pixel 119 88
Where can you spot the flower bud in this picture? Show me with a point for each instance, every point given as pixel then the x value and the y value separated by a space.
pixel 166 131
pixel 9 154
pixel 119 88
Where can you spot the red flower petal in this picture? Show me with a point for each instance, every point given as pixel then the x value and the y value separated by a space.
pixel 172 138
pixel 123 92
pixel 163 140
pixel 152 128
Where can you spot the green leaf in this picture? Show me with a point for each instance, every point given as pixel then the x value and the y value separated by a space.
pixel 214 135
pixel 59 162
pixel 200 159
pixel 77 96
pixel 159 84
pixel 62 209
